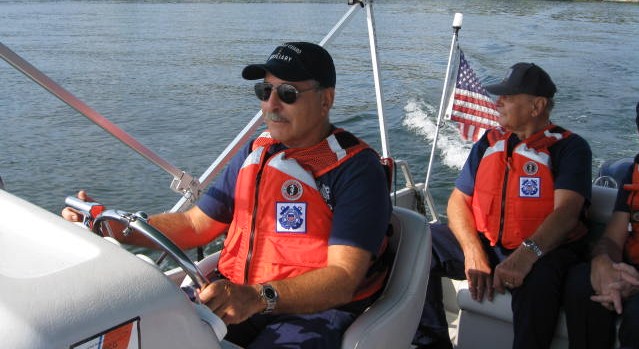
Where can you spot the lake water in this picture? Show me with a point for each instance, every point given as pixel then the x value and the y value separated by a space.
pixel 169 74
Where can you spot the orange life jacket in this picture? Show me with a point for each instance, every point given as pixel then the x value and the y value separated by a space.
pixel 631 247
pixel 514 194
pixel 271 236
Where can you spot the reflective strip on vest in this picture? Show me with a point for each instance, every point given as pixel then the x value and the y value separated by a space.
pixel 532 154
pixel 292 169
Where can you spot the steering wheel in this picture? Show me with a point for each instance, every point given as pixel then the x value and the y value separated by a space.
pixel 139 222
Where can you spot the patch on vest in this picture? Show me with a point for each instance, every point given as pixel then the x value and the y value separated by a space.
pixel 531 168
pixel 529 187
pixel 291 217
pixel 292 190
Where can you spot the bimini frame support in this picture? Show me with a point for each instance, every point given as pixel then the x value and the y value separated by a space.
pixel 182 183
pixel 372 38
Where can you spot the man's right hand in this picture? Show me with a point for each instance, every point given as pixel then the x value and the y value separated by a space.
pixel 462 224
pixel 478 274
pixel 72 215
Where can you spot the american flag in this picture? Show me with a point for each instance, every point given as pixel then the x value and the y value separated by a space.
pixel 470 104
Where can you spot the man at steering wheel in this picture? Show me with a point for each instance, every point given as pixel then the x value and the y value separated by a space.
pixel 305 208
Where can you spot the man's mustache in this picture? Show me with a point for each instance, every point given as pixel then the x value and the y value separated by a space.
pixel 273 116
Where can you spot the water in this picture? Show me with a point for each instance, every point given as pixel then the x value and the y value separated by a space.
pixel 169 74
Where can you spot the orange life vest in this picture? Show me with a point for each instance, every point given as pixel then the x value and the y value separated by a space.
pixel 631 247
pixel 271 236
pixel 514 194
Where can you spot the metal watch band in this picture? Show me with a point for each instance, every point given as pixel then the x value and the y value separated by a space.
pixel 531 245
pixel 270 297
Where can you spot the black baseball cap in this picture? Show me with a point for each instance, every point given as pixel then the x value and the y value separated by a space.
pixel 296 61
pixel 525 78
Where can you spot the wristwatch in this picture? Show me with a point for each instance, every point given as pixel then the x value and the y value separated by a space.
pixel 269 295
pixel 531 245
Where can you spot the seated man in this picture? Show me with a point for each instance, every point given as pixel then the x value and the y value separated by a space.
pixel 305 207
pixel 515 214
pixel 607 287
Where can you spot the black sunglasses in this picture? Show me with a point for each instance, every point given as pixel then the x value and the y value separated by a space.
pixel 286 93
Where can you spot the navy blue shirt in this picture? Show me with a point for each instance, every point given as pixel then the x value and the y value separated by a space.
pixel 359 198
pixel 570 161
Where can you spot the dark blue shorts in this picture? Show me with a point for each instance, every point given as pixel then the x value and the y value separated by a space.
pixel 318 330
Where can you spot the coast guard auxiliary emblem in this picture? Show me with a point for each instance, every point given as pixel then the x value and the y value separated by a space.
pixel 529 187
pixel 292 190
pixel 531 168
pixel 292 217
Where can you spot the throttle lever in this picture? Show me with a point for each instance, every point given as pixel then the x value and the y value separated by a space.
pixel 90 210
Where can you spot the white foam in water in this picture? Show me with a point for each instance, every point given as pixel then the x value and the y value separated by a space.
pixel 421 118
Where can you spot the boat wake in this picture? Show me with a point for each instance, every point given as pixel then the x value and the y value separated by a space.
pixel 421 118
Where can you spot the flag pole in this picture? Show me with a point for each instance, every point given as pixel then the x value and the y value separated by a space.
pixel 457 24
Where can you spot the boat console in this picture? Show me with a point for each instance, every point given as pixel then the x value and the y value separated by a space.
pixel 63 287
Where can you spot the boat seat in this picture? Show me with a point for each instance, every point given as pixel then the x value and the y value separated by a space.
pixel 471 321
pixel 615 170
pixel 392 320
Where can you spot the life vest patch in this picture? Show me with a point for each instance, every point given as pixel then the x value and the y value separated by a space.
pixel 529 187
pixel 531 168
pixel 292 190
pixel 291 217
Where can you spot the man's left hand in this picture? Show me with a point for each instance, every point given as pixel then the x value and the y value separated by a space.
pixel 511 272
pixel 612 294
pixel 630 276
pixel 231 302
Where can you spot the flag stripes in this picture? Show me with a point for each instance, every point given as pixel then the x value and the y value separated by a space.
pixel 471 106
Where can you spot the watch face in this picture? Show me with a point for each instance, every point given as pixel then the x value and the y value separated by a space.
pixel 269 293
